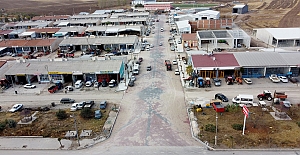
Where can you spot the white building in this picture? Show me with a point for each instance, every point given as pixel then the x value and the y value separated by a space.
pixel 279 37
pixel 135 2
pixel 208 14
pixel 183 26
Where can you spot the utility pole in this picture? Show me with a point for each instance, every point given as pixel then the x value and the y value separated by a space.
pixel 75 124
pixel 216 129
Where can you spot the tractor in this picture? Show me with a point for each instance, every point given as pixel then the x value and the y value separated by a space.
pixel 265 95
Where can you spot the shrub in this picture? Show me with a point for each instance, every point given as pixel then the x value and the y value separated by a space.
pixel 231 108
pixel 11 123
pixel 86 113
pixel 298 123
pixel 61 114
pixel 2 126
pixel 237 126
pixel 210 128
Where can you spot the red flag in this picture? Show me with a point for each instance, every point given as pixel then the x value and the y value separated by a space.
pixel 245 110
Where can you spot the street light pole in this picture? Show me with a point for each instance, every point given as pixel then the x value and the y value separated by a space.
pixel 75 124
pixel 216 129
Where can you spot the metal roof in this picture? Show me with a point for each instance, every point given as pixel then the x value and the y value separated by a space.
pixel 284 33
pixel 119 27
pixel 291 58
pixel 39 67
pixel 99 40
pixel 256 59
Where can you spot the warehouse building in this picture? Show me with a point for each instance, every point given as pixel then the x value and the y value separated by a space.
pixel 279 37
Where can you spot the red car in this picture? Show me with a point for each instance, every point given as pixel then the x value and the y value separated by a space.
pixel 140 59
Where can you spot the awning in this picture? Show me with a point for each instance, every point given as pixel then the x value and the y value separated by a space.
pixel 59 34
pixel 2 48
pixel 27 33
pixel 63 24
pixel 112 30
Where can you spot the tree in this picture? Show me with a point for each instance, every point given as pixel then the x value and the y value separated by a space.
pixel 86 113
pixel 189 70
pixel 61 114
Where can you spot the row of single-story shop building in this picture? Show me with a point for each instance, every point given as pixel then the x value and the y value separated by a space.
pixel 247 64
pixel 107 43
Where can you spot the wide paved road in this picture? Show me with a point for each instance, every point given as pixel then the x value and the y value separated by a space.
pixel 153 111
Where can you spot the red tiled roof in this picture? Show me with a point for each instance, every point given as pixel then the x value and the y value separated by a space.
pixel 189 36
pixel 3 32
pixel 47 30
pixel 221 60
pixel 27 43
pixel 10 43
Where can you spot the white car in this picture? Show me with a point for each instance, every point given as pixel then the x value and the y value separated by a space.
pixel 248 81
pixel 89 84
pixel 29 86
pixel 283 79
pixel 174 62
pixel 177 72
pixel 274 78
pixel 81 105
pixel 74 107
pixel 16 107
pixel 133 78
pixel 69 88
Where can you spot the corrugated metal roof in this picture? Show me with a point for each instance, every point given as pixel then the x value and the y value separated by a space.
pixel 254 59
pixel 100 40
pixel 38 67
pixel 291 58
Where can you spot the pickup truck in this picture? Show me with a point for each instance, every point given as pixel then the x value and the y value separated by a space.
pixel 89 104
pixel 218 106
pixel 52 89
pixel 274 78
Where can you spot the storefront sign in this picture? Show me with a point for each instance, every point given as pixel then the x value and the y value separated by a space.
pixel 56 72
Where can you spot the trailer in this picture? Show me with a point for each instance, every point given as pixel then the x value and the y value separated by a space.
pixel 218 106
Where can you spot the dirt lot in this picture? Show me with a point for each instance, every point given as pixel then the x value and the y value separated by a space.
pixel 262 130
pixel 57 7
pixel 47 124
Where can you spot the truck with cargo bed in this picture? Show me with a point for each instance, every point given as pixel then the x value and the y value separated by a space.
pixel 217 105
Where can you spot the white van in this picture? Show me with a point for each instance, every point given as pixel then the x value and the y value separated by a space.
pixel 243 99
pixel 78 84
pixel 136 69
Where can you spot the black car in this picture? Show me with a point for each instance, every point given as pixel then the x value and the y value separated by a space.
pixel 67 100
pixel 131 83
pixel 149 68
pixel 221 97
pixel 104 83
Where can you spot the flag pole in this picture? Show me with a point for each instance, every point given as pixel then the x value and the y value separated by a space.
pixel 244 125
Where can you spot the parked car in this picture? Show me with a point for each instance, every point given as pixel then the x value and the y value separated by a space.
pixel 217 82
pixel 104 83
pixel 98 114
pixel 140 59
pixel 151 46
pixel 112 83
pixel 97 84
pixel 274 78
pixel 283 79
pixel 287 104
pixel 160 44
pixel 81 105
pixel 221 97
pixel 29 86
pixel 172 48
pixel 16 107
pixel 174 62
pixel 69 88
pixel 149 68
pixel 89 84
pixel 247 81
pixel 89 104
pixel 78 84
pixel 74 107
pixel 177 72
pixel 103 104
pixel 67 100
pixel 131 83
pixel 133 78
